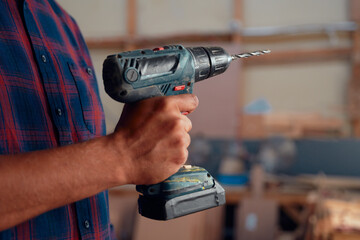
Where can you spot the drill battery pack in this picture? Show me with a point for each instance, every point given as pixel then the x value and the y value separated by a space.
pixel 191 189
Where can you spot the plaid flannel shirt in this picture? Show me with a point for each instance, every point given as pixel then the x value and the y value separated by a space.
pixel 49 97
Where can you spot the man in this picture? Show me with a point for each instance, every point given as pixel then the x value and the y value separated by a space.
pixel 55 162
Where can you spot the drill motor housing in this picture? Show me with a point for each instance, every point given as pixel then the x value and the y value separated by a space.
pixel 170 70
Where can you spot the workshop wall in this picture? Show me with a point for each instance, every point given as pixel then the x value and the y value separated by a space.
pixel 108 17
pixel 300 87
pixel 307 87
pixel 283 12
pixel 296 87
pixel 98 18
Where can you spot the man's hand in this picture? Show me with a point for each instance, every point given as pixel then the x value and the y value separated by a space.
pixel 149 144
pixel 152 138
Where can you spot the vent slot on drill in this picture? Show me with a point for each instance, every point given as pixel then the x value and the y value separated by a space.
pixel 164 88
pixel 130 62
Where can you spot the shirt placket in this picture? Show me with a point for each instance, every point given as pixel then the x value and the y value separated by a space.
pixel 58 110
pixel 84 217
pixel 51 81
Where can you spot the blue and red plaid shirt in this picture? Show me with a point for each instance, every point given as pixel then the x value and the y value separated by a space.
pixel 49 98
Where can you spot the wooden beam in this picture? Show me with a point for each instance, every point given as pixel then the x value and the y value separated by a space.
pixel 141 42
pixel 106 43
pixel 294 38
pixel 131 17
pixel 305 55
pixel 354 84
pixel 131 24
pixel 237 39
pixel 96 43
pixel 355 10
pixel 238 17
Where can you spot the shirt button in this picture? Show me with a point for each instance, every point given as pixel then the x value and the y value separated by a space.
pixel 89 71
pixel 59 111
pixel 43 58
pixel 87 224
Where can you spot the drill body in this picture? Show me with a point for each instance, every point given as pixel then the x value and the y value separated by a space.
pixel 170 70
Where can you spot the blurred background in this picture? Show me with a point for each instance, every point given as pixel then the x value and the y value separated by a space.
pixel 284 126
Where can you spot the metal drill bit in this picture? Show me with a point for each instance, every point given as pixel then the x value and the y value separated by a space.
pixel 250 54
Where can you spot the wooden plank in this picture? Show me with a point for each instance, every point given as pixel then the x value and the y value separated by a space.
pixel 355 10
pixel 301 55
pixel 108 42
pixel 237 39
pixel 292 125
pixel 238 17
pixel 101 43
pixel 294 38
pixel 276 57
pixel 354 84
pixel 131 24
pixel 131 17
pixel 252 126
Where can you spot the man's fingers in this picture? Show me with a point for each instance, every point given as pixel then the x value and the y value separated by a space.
pixel 186 103
pixel 187 123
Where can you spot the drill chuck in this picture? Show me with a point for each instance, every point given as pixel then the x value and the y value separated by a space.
pixel 209 61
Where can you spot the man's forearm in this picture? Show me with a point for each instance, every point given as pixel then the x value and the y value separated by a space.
pixel 36 182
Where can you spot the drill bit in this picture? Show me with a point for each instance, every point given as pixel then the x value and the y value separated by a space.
pixel 250 54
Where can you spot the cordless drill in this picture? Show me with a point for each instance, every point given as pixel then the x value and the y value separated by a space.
pixel 170 70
